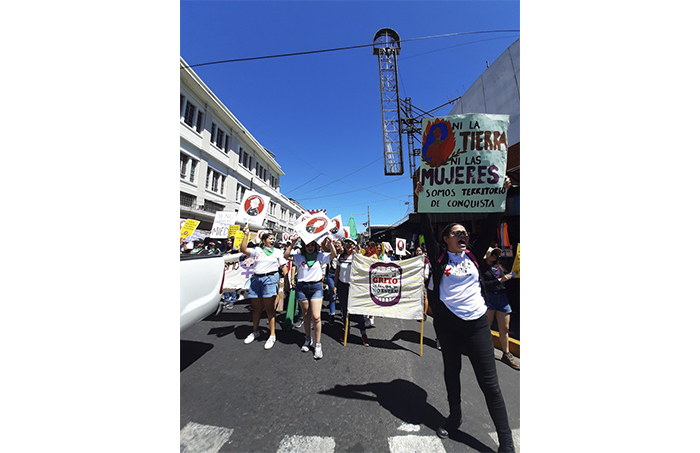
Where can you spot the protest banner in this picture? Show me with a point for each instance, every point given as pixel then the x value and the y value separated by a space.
pixel 232 230
pixel 188 228
pixel 390 290
pixel 337 228
pixel 239 268
pixel 400 247
pixel 516 264
pixel 313 227
pixel 238 239
pixel 222 224
pixel 463 163
pixel 253 208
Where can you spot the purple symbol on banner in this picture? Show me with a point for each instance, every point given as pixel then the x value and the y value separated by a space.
pixel 247 266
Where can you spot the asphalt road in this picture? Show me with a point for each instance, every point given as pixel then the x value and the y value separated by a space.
pixel 382 398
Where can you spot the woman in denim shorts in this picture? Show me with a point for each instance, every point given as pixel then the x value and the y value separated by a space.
pixel 497 301
pixel 309 290
pixel 264 283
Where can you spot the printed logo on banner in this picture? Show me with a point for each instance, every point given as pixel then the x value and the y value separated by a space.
pixel 385 284
pixel 254 205
pixel 315 226
pixel 438 143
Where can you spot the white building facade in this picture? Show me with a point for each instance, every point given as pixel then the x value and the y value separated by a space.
pixel 220 159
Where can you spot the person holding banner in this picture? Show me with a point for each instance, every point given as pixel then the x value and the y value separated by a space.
pixel 342 286
pixel 264 282
pixel 309 288
pixel 457 302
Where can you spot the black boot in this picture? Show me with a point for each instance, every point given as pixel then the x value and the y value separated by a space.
pixel 505 442
pixel 449 426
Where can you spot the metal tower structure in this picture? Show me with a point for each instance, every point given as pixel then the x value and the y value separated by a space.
pixel 387 45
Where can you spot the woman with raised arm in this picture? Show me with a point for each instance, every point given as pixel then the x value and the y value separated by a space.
pixel 457 302
pixel 309 288
pixel 264 282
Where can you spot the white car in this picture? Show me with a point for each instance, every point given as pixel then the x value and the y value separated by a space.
pixel 201 287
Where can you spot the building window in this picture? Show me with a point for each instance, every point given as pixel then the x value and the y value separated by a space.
pixel 220 138
pixel 183 165
pixel 213 133
pixel 189 114
pixel 187 200
pixel 200 120
pixel 212 207
pixel 215 181
pixel 193 167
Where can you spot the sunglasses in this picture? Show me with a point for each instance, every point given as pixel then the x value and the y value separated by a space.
pixel 459 233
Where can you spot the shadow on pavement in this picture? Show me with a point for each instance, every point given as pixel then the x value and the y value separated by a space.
pixel 191 351
pixel 407 402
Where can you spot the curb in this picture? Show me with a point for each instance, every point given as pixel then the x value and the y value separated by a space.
pixel 513 344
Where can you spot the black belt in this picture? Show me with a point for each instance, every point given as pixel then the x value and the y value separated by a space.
pixel 266 275
pixel 313 282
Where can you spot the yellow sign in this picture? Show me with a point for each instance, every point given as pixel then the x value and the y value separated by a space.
pixel 232 230
pixel 516 263
pixel 188 228
pixel 238 240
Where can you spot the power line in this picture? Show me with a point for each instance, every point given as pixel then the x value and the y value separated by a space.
pixel 308 52
pixel 360 188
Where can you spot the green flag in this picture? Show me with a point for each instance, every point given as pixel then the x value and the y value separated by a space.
pixel 351 225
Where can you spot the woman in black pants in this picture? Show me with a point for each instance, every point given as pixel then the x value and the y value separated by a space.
pixel 461 323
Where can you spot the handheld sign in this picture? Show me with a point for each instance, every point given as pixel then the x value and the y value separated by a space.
pixel 463 163
pixel 188 228
pixel 337 228
pixel 516 264
pixel 253 208
pixel 400 246
pixel 313 227
pixel 222 224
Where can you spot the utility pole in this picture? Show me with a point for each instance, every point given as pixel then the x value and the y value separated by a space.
pixel 368 225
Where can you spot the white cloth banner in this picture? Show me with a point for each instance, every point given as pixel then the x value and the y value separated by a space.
pixel 253 208
pixel 389 290
pixel 238 269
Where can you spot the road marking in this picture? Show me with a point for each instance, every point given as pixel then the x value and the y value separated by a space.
pixel 409 428
pixel 516 439
pixel 196 438
pixel 412 444
pixel 303 444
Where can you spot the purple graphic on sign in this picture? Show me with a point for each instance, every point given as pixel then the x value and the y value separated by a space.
pixel 385 284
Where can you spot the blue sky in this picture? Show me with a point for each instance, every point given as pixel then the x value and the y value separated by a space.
pixel 320 114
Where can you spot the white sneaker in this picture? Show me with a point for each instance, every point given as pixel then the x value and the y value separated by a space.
pixel 299 323
pixel 270 342
pixel 250 338
pixel 307 343
pixel 318 353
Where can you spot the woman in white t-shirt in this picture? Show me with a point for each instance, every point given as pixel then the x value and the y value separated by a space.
pixel 309 288
pixel 457 301
pixel 264 282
